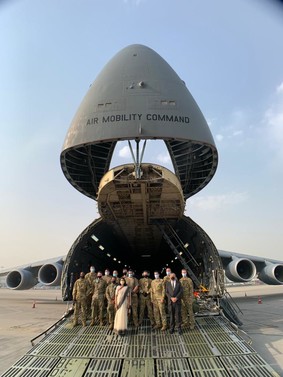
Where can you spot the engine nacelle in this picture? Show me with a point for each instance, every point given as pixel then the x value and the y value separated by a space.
pixel 50 274
pixel 20 280
pixel 240 270
pixel 272 274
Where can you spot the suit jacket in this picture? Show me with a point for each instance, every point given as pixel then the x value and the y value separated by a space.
pixel 177 292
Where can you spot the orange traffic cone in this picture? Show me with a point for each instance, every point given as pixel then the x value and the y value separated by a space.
pixel 33 305
pixel 259 300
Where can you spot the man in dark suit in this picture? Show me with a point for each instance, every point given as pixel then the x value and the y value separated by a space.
pixel 174 292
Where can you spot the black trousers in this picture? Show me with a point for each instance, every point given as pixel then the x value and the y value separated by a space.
pixel 174 310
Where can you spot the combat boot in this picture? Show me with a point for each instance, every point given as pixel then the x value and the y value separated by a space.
pixel 163 328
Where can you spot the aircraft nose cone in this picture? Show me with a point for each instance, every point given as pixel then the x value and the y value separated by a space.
pixel 138 95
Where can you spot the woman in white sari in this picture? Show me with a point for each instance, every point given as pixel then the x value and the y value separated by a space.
pixel 122 305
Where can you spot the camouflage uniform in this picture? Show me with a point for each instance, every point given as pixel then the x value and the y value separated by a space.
pixel 99 288
pixel 117 279
pixel 157 294
pixel 90 278
pixel 107 279
pixel 145 301
pixel 187 302
pixel 166 279
pixel 80 292
pixel 110 296
pixel 134 286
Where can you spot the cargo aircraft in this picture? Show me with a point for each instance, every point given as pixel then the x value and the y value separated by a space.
pixel 136 98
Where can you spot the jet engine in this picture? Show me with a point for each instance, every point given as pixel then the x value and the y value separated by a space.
pixel 20 279
pixel 272 274
pixel 240 270
pixel 50 274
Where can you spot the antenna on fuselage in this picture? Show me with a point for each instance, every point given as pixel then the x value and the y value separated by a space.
pixel 138 159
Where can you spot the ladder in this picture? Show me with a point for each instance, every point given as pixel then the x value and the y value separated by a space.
pixel 178 248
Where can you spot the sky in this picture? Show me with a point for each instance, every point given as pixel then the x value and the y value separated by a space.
pixel 229 53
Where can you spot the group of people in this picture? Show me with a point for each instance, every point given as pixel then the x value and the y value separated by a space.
pixel 96 295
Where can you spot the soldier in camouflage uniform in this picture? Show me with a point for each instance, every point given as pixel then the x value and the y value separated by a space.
pixel 165 280
pixel 97 303
pixel 107 277
pixel 110 296
pixel 125 273
pixel 90 277
pixel 157 295
pixel 115 275
pixel 145 301
pixel 133 283
pixel 167 276
pixel 80 292
pixel 187 300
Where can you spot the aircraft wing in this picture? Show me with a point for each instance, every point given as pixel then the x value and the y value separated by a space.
pixel 238 268
pixel 47 272
pixel 243 268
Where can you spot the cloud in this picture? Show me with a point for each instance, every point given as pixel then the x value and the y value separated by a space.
pixel 234 126
pixel 279 88
pixel 237 133
pixel 124 152
pixel 215 202
pixel 273 120
pixel 219 137
pixel 164 158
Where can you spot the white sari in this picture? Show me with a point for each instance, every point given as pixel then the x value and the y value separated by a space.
pixel 122 297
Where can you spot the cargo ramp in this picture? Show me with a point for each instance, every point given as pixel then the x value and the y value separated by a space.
pixel 213 348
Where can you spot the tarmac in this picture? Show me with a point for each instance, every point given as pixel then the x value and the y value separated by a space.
pixel 26 314
pixel 262 308
pixel 23 316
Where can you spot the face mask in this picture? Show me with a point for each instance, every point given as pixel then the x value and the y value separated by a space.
pixel 106 273
pixel 122 282
pixel 114 274
pixel 156 276
pixel 92 269
pixel 130 275
pixel 184 275
pixel 168 273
